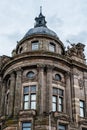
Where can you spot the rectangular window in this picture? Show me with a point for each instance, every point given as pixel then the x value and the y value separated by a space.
pixel 52 47
pixel 35 45
pixel 82 109
pixel 29 97
pixel 57 99
pixel 26 126
pixel 62 127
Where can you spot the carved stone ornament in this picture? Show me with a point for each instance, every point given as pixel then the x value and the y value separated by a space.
pixel 76 50
pixel 81 83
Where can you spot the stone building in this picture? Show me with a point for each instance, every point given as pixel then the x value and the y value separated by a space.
pixel 43 86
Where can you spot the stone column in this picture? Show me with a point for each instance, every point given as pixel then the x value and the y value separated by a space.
pixel 49 89
pixel 3 98
pixel 75 96
pixel 68 94
pixel 85 92
pixel 18 89
pixel 11 95
pixel 0 93
pixel 41 89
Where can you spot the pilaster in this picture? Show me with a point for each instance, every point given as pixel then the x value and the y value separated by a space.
pixel 3 99
pixel 18 89
pixel 41 89
pixel 75 97
pixel 85 92
pixel 11 94
pixel 0 93
pixel 49 89
pixel 68 94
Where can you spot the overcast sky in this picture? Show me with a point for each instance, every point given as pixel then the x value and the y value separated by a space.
pixel 68 18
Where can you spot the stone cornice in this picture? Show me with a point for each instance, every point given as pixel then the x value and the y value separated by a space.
pixel 44 55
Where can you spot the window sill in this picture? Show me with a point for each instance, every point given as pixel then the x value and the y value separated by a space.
pixel 28 113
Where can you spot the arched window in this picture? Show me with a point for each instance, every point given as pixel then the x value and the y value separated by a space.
pixel 21 49
pixel 30 74
pixel 57 77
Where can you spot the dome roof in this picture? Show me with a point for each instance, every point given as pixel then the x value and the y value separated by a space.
pixel 40 30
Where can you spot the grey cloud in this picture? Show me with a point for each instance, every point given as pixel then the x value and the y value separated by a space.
pixel 55 21
pixel 80 37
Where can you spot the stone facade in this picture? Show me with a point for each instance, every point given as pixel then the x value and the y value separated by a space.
pixel 43 87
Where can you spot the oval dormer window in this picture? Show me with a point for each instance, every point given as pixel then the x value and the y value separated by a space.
pixel 57 77
pixel 30 74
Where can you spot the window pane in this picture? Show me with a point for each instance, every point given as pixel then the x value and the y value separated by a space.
pixel 52 47
pixel 54 106
pixel 60 100
pixel 81 112
pixel 62 127
pixel 55 91
pixel 26 128
pixel 54 98
pixel 81 104
pixel 27 124
pixel 60 92
pixel 26 89
pixel 33 97
pixel 26 106
pixel 30 74
pixel 60 108
pixel 35 46
pixel 33 105
pixel 26 97
pixel 58 77
pixel 33 88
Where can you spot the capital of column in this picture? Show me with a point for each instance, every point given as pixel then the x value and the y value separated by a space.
pixel 67 74
pixel 41 66
pixel 18 71
pixel 49 68
pixel 12 74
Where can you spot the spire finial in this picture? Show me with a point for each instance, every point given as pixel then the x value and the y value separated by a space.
pixel 40 20
pixel 40 9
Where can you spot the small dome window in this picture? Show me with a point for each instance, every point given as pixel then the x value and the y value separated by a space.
pixel 57 77
pixel 35 45
pixel 21 49
pixel 52 47
pixel 30 74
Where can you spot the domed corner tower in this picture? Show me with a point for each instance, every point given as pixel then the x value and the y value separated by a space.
pixel 39 84
pixel 41 39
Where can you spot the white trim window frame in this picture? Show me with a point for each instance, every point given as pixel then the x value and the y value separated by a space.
pixel 58 99
pixel 29 97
